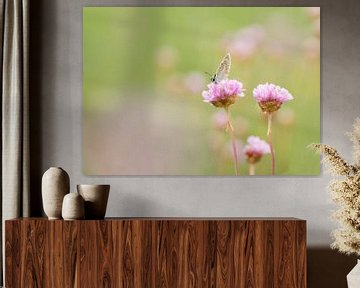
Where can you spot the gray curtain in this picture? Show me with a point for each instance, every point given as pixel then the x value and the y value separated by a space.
pixel 14 27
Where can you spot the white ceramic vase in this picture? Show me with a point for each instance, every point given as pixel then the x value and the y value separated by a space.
pixel 96 198
pixel 353 278
pixel 55 185
pixel 73 207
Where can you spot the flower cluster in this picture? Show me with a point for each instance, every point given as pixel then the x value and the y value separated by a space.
pixel 224 93
pixel 255 149
pixel 270 97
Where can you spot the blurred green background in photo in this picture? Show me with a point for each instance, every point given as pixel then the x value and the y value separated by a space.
pixel 144 71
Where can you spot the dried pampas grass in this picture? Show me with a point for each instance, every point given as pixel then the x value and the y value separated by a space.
pixel 345 192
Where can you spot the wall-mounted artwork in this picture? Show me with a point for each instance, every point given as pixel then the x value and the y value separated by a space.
pixel 201 90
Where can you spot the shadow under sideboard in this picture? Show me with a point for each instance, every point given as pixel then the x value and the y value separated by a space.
pixel 328 268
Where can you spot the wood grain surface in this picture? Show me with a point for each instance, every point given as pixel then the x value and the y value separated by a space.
pixel 159 252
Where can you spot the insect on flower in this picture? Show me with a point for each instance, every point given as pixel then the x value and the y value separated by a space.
pixel 223 70
pixel 222 92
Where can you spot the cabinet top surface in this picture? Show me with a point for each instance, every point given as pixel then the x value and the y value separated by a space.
pixel 173 219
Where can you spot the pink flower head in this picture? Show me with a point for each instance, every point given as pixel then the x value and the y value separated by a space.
pixel 224 93
pixel 244 43
pixel 270 97
pixel 255 149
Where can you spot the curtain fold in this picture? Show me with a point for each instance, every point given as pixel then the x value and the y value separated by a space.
pixel 15 162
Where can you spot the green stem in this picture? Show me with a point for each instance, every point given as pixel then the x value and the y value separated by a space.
pixel 252 169
pixel 270 140
pixel 230 129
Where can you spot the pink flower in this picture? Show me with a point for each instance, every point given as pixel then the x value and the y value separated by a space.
pixel 255 149
pixel 194 82
pixel 313 11
pixel 244 43
pixel 220 120
pixel 270 97
pixel 224 93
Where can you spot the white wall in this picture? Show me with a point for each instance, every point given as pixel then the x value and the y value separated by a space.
pixel 58 84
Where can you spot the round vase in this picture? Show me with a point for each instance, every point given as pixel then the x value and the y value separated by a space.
pixel 55 185
pixel 73 207
pixel 96 198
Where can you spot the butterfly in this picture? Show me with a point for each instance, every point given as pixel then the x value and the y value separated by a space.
pixel 223 70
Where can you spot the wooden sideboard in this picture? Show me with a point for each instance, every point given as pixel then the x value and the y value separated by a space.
pixel 156 252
